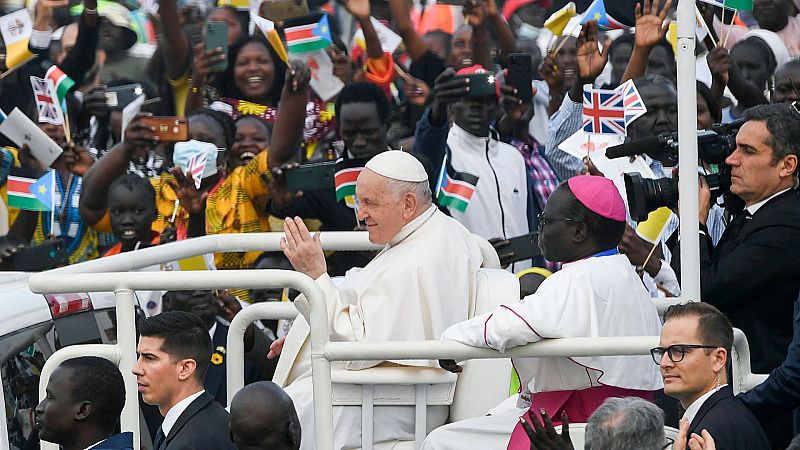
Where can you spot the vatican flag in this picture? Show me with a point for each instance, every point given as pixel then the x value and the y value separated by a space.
pixel 16 29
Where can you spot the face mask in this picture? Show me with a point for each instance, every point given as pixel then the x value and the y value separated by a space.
pixel 529 31
pixel 185 150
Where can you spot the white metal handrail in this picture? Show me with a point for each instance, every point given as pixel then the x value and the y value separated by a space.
pixel 237 242
pixel 116 353
pixel 123 282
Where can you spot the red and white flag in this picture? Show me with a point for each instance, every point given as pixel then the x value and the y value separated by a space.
pixel 46 101
pixel 195 168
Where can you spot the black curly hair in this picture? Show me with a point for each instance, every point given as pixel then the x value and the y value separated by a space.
pixel 225 82
pixel 223 120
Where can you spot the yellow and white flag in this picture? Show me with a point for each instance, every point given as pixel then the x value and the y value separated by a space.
pixel 16 29
pixel 652 229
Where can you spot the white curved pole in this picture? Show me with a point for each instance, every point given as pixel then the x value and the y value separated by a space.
pixel 51 282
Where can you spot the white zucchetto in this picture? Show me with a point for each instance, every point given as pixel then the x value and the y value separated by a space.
pixel 398 165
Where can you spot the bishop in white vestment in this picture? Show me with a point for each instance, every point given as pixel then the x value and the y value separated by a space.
pixel 598 294
pixel 416 287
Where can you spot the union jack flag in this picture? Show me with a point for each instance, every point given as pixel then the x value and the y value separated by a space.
pixel 195 168
pixel 634 106
pixel 46 104
pixel 603 111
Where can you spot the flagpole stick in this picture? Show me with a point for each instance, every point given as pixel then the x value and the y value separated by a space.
pixel 9 71
pixel 53 206
pixel 588 148
pixel 67 132
pixel 728 33
pixel 650 255
pixel 721 22
pixel 563 41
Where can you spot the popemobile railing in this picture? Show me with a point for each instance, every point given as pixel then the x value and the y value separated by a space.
pixel 111 274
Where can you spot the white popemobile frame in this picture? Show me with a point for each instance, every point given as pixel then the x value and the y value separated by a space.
pixel 111 274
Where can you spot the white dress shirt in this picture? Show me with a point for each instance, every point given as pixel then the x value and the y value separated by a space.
pixel 691 411
pixel 176 411
pixel 752 209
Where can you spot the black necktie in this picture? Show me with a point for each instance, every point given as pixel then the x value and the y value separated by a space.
pixel 738 223
pixel 159 439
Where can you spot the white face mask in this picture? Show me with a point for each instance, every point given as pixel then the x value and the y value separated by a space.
pixel 185 150
pixel 526 30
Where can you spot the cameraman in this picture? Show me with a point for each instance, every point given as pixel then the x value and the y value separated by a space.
pixel 752 274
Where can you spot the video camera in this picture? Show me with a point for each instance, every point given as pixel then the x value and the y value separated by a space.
pixel 646 195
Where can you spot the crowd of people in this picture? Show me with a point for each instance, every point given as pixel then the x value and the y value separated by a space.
pixel 407 120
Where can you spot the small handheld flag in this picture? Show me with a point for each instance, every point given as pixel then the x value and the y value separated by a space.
pixel 597 11
pixel 603 111
pixel 195 168
pixel 347 171
pixel 16 29
pixel 31 194
pixel 455 189
pixel 313 32
pixel 558 21
pixel 634 105
pixel 61 82
pixel 46 104
pixel 652 229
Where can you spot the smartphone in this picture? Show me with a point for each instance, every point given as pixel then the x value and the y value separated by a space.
pixel 311 177
pixel 519 248
pixel 45 256
pixel 169 128
pixel 520 75
pixel 481 84
pixel 280 10
pixel 118 97
pixel 217 37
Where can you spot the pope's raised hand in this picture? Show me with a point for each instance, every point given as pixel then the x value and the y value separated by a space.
pixel 303 250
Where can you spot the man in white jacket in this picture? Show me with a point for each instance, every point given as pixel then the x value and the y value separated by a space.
pixel 501 204
pixel 596 294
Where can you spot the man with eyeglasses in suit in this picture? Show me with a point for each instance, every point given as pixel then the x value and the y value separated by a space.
pixel 692 356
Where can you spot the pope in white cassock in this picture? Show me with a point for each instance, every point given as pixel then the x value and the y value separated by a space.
pixel 417 286
pixel 596 294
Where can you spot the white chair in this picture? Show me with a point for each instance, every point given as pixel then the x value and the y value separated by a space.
pixel 475 391
pixel 742 377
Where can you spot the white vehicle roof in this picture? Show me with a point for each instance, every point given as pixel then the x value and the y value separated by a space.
pixel 20 307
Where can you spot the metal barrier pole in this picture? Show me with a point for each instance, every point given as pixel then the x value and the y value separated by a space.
pixel 687 153
pixel 235 368
pixel 4 427
pixel 603 346
pixel 109 352
pixel 50 282
pixel 126 346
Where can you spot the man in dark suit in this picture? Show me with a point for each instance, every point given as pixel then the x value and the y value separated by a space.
pixel 779 395
pixel 174 354
pixel 752 275
pixel 208 308
pixel 693 354
pixel 84 399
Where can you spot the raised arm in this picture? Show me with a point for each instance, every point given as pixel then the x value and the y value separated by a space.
pixel 93 200
pixel 650 30
pixel 288 129
pixel 174 43
pixel 502 32
pixel 360 10
pixel 402 21
pixel 475 14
